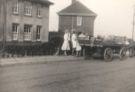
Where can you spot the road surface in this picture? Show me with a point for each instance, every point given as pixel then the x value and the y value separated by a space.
pixel 70 76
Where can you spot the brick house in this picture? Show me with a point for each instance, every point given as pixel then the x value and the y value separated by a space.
pixel 77 16
pixel 24 22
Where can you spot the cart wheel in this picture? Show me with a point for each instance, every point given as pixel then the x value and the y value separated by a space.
pixel 108 54
pixel 122 54
pixel 131 52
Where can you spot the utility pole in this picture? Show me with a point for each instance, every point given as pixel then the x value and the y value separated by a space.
pixel 133 22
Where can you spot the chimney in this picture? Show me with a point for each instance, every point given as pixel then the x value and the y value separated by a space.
pixel 73 1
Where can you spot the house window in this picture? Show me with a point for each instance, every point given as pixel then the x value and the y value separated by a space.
pixel 28 10
pixel 27 32
pixel 16 8
pixel 39 12
pixel 15 31
pixel 38 31
pixel 79 20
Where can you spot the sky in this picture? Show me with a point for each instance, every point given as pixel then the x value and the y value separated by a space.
pixel 115 17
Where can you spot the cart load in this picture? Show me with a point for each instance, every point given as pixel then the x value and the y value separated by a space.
pixel 105 48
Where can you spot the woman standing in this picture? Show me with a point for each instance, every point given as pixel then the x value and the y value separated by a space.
pixel 66 45
pixel 74 42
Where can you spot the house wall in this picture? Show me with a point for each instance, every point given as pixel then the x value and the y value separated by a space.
pixel 21 19
pixel 69 22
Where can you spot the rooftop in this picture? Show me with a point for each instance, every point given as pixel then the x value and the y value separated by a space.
pixel 43 2
pixel 77 8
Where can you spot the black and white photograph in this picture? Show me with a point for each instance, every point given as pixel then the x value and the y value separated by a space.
pixel 67 45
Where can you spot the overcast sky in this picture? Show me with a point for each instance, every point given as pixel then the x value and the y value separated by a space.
pixel 115 17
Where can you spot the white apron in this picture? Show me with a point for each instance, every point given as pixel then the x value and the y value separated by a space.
pixel 65 45
pixel 78 46
pixel 74 40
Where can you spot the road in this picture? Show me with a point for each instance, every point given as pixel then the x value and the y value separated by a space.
pixel 70 76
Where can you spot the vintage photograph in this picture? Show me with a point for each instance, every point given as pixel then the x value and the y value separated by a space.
pixel 67 45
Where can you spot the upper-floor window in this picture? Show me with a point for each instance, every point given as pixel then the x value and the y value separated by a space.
pixel 28 10
pixel 79 20
pixel 39 12
pixel 38 32
pixel 16 8
pixel 27 32
pixel 15 28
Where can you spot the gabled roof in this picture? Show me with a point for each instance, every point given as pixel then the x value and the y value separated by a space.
pixel 77 8
pixel 43 2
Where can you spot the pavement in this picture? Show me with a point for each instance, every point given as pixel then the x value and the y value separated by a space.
pixel 37 59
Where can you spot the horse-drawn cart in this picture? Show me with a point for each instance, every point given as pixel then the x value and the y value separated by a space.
pixel 105 49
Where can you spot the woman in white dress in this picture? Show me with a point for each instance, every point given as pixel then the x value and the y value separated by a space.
pixel 66 46
pixel 74 42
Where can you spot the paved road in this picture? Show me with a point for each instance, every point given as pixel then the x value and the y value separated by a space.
pixel 70 76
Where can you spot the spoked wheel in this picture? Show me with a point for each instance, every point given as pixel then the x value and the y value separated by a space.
pixel 131 52
pixel 122 54
pixel 108 54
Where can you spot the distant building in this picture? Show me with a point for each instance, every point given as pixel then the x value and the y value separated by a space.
pixel 78 17
pixel 24 22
